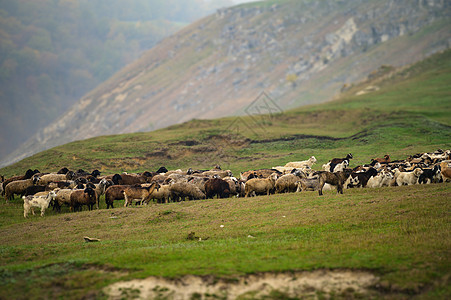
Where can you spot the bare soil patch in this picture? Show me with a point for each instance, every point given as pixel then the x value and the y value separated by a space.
pixel 346 284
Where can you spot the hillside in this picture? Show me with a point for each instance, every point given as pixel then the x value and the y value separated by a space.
pixel 54 52
pixel 299 52
pixel 397 111
pixel 380 243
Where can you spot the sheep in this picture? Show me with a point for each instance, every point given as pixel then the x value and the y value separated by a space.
pixel 19 186
pixel 32 190
pixel 43 202
pixel 28 174
pixel 261 173
pixel 288 183
pixel 337 179
pixel 219 173
pixel 217 187
pixel 445 170
pixel 302 164
pixel 199 182
pixel 127 179
pixel 78 198
pixel 339 160
pixel 383 178
pixel 138 193
pixel 260 185
pixel 62 198
pixel 112 193
pixel 234 186
pixel 407 178
pixel 180 190
pixel 52 177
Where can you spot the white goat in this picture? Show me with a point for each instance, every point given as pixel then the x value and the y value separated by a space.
pixel 302 164
pixel 43 202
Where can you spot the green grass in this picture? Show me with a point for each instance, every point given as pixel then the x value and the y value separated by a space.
pixel 401 234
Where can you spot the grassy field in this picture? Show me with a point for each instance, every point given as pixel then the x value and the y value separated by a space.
pixel 401 234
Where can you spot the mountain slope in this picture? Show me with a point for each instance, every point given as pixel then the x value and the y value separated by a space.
pixel 300 52
pixel 400 112
pixel 54 52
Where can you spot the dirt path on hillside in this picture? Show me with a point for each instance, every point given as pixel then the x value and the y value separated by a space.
pixel 311 285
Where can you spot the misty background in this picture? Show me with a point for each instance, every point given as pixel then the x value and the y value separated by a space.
pixel 52 52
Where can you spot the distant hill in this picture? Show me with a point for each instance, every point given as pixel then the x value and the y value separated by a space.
pixel 54 52
pixel 298 52
pixel 396 111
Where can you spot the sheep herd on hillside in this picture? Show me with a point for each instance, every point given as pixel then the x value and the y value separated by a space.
pixel 76 189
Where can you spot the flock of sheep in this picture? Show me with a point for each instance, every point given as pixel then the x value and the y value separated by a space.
pixel 78 189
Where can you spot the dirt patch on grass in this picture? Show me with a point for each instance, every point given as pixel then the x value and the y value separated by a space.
pixel 346 284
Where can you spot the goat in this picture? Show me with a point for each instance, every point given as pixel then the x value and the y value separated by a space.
pixel 330 167
pixel 336 161
pixel 430 175
pixel 302 164
pixel 139 194
pixel 384 160
pixel 337 179
pixel 43 202
pixel 360 179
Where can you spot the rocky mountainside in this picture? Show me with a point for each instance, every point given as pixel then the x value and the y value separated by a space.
pixel 298 52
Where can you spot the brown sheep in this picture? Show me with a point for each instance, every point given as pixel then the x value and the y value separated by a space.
pixel 28 174
pixel 87 197
pixel 19 186
pixel 217 187
pixel 114 192
pixel 62 198
pixel 260 186
pixel 138 193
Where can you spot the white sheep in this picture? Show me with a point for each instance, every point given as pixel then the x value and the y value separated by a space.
pixel 43 202
pixel 407 178
pixel 382 179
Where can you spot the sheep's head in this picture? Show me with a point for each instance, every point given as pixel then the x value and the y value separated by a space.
pixel 349 156
pixel 52 195
pixel 312 159
pixel 36 179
